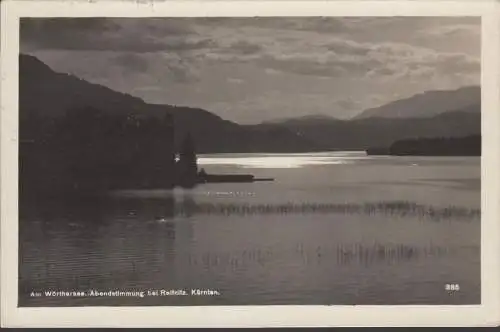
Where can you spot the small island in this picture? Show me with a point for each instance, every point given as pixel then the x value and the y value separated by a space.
pixel 438 146
pixel 188 176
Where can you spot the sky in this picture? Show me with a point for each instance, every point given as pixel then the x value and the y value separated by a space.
pixel 250 70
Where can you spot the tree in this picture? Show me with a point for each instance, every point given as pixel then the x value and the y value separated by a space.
pixel 187 164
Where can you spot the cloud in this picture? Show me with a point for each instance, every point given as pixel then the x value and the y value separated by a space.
pixel 131 61
pixel 235 80
pixel 319 46
pixel 337 57
pixel 181 72
pixel 244 47
pixel 318 24
pixel 348 104
pixel 99 34
pixel 170 68
pixel 345 46
pixel 121 70
pixel 451 31
pixel 203 61
pixel 67 33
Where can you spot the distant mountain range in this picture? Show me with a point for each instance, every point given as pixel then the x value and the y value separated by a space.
pixel 45 94
pixel 310 119
pixel 361 134
pixel 429 103
pixel 453 113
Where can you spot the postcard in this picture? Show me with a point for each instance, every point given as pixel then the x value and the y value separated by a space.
pixel 250 163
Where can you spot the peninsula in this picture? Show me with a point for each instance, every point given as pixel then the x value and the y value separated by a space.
pixel 439 146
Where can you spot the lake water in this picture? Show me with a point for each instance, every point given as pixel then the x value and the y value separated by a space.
pixel 332 228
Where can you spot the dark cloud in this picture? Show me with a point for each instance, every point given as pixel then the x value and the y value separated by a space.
pixel 65 33
pixel 347 47
pixel 58 25
pixel 244 47
pixel 165 26
pixel 104 34
pixel 318 24
pixel 382 71
pixel 301 66
pixel 186 44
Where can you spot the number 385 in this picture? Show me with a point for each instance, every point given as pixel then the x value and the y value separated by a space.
pixel 452 287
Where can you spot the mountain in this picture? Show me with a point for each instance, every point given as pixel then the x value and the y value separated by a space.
pixel 46 94
pixel 311 119
pixel 51 94
pixel 213 134
pixel 428 104
pixel 361 134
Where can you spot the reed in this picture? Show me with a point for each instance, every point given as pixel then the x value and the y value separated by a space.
pixel 391 208
pixel 340 254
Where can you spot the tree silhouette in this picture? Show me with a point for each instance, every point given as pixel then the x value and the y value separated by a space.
pixel 89 151
pixel 432 146
pixel 187 167
pixel 438 146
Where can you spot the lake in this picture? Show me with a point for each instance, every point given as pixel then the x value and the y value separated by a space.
pixel 337 228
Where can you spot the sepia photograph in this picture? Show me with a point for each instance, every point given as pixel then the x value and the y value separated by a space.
pixel 306 160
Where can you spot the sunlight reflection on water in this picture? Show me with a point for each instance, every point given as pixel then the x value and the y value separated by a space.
pixel 282 160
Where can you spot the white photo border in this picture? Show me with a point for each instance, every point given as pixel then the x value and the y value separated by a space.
pixel 486 314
